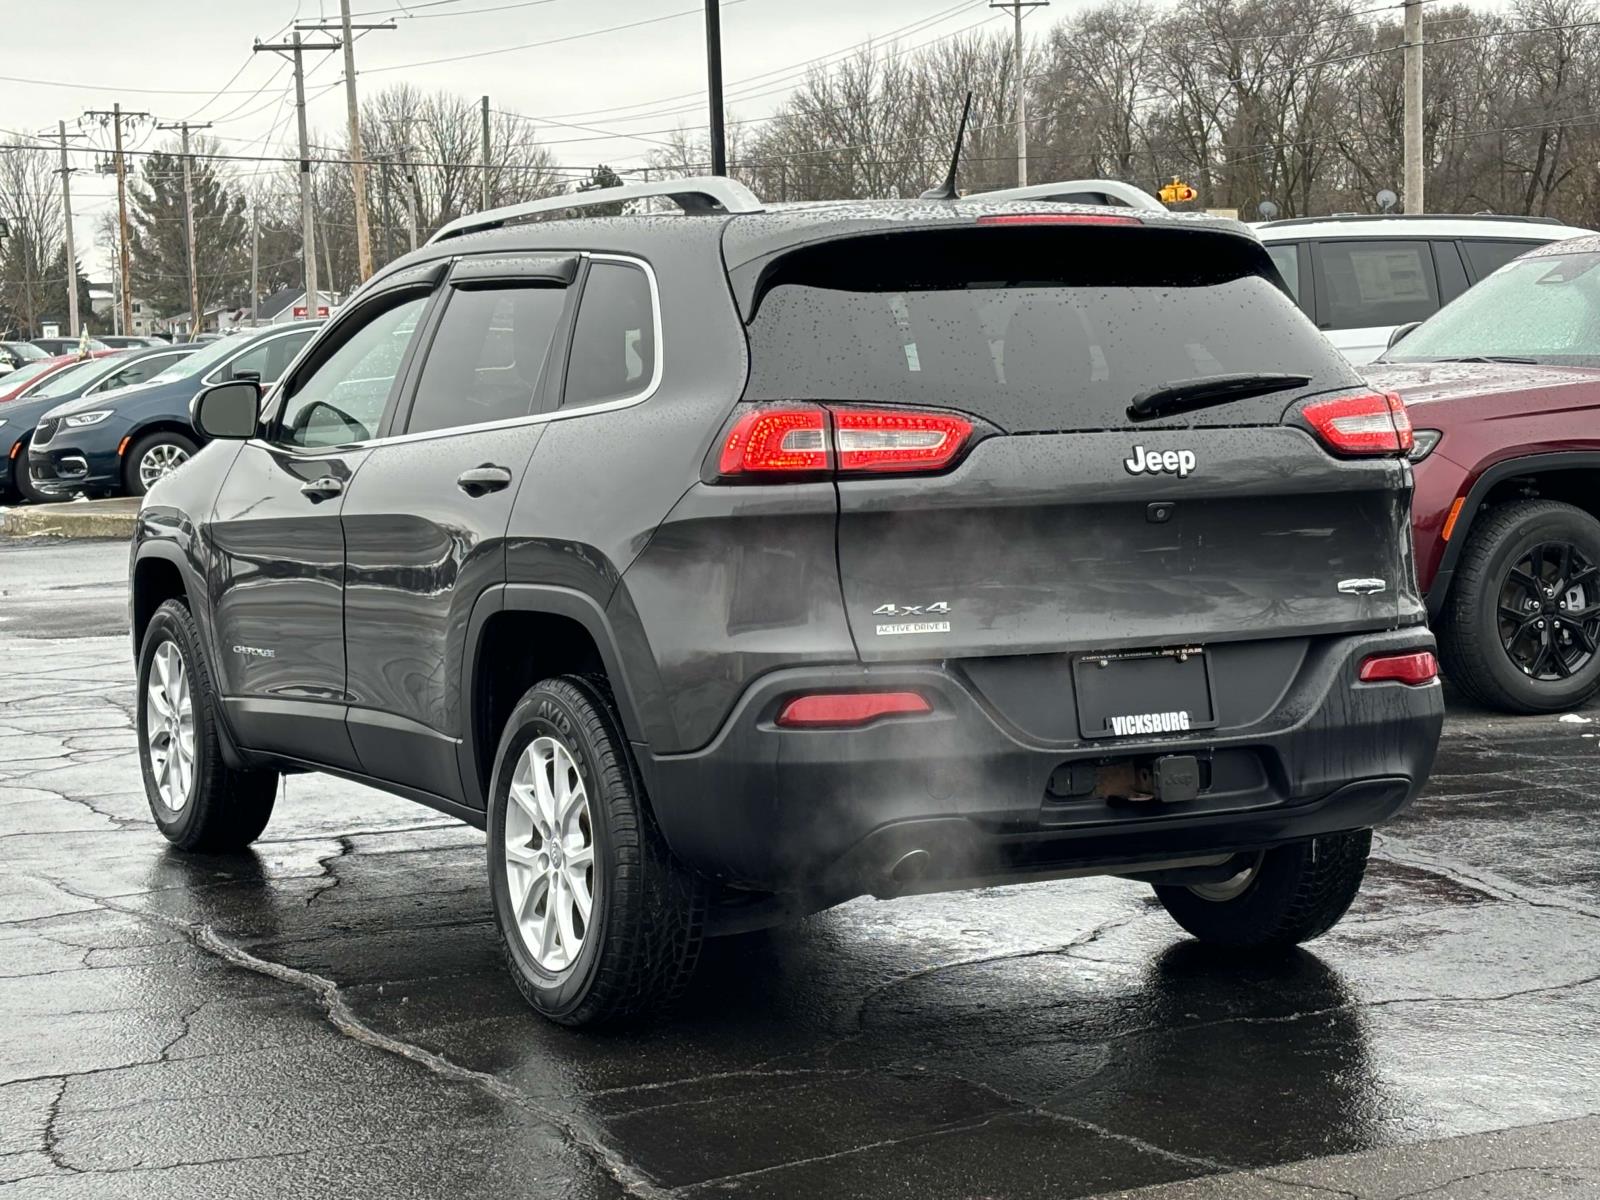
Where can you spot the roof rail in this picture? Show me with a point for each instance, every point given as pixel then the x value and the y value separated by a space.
pixel 702 194
pixel 1510 218
pixel 1126 193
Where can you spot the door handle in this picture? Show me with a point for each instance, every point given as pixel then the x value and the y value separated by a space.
pixel 479 481
pixel 325 488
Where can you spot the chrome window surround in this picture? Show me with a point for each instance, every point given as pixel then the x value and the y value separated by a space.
pixel 558 414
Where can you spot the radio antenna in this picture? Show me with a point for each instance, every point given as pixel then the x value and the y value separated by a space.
pixel 947 191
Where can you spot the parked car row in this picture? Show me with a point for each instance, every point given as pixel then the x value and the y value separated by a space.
pixel 117 421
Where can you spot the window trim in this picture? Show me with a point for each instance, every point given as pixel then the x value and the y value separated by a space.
pixel 555 414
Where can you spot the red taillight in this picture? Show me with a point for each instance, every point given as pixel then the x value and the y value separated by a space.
pixel 1415 669
pixel 848 710
pixel 1375 423
pixel 807 440
pixel 1058 219
pixel 776 439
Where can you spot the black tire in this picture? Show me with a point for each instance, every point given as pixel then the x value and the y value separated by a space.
pixel 131 482
pixel 20 482
pixel 647 916
pixel 1469 633
pixel 1298 892
pixel 222 809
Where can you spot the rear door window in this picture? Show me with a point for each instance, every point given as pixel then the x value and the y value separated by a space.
pixel 1031 329
pixel 613 342
pixel 1486 257
pixel 487 357
pixel 1373 283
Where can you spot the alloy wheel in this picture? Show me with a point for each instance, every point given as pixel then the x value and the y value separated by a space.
pixel 159 461
pixel 550 854
pixel 1548 614
pixel 169 726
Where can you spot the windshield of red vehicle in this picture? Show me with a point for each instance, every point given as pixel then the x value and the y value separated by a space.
pixel 1545 308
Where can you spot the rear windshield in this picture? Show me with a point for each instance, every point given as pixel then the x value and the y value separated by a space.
pixel 1032 328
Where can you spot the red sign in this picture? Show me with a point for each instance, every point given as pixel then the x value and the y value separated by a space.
pixel 300 310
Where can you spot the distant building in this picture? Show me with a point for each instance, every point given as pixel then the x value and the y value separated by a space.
pixel 283 306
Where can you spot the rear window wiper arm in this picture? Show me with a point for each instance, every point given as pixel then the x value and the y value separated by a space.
pixel 1210 390
pixel 1489 358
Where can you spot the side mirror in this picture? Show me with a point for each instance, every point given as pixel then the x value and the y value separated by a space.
pixel 246 376
pixel 1401 331
pixel 228 410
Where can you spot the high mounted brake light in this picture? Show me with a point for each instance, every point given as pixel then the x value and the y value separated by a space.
pixel 810 440
pixel 1058 219
pixel 1375 423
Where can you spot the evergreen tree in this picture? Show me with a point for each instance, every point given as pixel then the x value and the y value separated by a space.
pixel 602 177
pixel 158 242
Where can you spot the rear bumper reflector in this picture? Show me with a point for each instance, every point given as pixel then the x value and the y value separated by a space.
pixel 849 710
pixel 1414 669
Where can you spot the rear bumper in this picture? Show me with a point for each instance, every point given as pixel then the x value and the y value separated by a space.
pixel 830 812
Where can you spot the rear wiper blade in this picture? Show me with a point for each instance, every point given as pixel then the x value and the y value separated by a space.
pixel 1210 390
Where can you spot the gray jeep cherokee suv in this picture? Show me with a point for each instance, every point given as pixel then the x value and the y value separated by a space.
pixel 729 565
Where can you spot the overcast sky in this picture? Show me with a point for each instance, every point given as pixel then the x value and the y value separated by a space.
pixel 170 58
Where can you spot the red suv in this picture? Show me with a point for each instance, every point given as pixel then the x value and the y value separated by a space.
pixel 1503 387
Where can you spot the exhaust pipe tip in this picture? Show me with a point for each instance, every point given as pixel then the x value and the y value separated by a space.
pixel 909 868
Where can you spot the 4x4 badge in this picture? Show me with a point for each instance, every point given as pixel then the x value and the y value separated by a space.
pixel 939 608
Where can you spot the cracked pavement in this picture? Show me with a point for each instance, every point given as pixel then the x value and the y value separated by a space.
pixel 328 1016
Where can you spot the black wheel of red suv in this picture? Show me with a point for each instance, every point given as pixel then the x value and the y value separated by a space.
pixel 197 800
pixel 597 921
pixel 1521 628
pixel 1278 898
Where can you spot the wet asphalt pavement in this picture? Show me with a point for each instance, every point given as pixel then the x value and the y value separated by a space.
pixel 327 1016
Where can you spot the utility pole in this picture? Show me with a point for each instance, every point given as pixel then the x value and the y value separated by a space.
pixel 195 315
pixel 72 255
pixel 255 262
pixel 410 178
pixel 719 145
pixel 116 116
pixel 483 202
pixel 27 273
pixel 308 232
pixel 1019 70
pixel 358 162
pixel 1414 201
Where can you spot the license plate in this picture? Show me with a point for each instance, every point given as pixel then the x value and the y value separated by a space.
pixel 1143 693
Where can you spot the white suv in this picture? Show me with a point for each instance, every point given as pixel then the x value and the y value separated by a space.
pixel 1361 277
